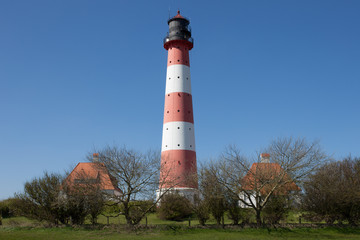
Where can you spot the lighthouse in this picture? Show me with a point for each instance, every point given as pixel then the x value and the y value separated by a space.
pixel 178 156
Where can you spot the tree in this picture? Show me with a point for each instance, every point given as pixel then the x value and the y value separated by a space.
pixel 292 161
pixel 40 199
pixel 332 193
pixel 213 193
pixel 137 177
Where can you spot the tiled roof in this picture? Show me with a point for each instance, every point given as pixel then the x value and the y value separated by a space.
pixel 267 175
pixel 91 173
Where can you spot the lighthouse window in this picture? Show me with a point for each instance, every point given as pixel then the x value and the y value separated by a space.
pixel 179 162
pixel 170 61
pixel 178 127
pixel 178 76
pixel 167 111
pixel 178 110
pixel 188 94
pixel 189 128
pixel 188 111
pixel 187 78
pixel 190 145
pixel 169 95
pixel 169 78
pixel 165 145
pixel 179 145
pixel 167 128
pixel 178 60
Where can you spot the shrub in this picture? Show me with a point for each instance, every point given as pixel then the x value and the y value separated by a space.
pixel 6 208
pixel 39 200
pixel 174 207
pixel 232 204
pixel 276 209
pixel 332 192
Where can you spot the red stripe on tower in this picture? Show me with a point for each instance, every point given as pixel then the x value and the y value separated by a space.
pixel 178 155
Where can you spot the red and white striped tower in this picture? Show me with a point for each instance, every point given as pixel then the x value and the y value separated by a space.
pixel 178 156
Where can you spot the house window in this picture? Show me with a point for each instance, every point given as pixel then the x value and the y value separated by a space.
pixel 85 181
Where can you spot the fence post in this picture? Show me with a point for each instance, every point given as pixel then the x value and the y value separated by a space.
pixel 299 219
pixel 146 221
pixel 189 221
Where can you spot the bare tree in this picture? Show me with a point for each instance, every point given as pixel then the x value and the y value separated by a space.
pixel 136 175
pixel 292 160
pixel 332 193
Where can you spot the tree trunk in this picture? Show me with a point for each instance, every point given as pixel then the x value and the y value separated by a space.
pixel 218 221
pixel 258 218
pixel 127 214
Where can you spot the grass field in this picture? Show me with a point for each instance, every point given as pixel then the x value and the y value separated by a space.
pixel 176 233
pixel 22 228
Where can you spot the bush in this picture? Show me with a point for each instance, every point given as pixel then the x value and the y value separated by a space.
pixel 332 192
pixel 40 198
pixel 232 204
pixel 111 208
pixel 276 209
pixel 6 208
pixel 174 207
pixel 81 201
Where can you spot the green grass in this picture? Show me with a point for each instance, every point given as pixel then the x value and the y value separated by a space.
pixel 19 222
pixel 176 232
pixel 23 228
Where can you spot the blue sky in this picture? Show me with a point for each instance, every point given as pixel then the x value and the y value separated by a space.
pixel 78 75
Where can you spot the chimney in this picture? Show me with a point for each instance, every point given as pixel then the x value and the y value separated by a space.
pixel 95 157
pixel 265 158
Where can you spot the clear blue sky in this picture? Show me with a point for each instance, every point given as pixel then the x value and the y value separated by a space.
pixel 75 75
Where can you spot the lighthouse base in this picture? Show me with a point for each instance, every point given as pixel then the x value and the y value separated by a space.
pixel 188 193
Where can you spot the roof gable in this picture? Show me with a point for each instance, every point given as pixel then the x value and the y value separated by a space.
pixel 265 176
pixel 93 173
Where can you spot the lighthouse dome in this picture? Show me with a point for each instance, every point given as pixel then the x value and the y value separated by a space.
pixel 179 29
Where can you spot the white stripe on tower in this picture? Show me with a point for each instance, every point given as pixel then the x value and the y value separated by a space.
pixel 178 79
pixel 178 136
